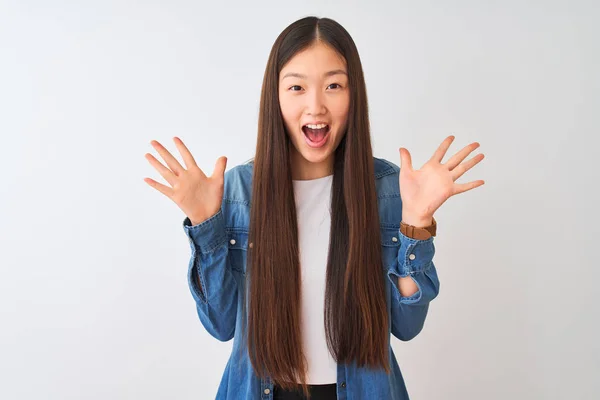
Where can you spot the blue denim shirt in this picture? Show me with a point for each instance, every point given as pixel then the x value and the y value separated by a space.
pixel 218 261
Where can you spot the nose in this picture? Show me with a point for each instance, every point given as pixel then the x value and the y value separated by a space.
pixel 315 103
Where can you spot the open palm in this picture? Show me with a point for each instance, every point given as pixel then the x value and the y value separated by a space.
pixel 424 190
pixel 199 196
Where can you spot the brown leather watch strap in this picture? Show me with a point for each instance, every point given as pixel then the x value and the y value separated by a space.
pixel 419 233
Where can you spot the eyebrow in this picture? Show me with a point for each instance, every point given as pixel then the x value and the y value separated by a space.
pixel 326 74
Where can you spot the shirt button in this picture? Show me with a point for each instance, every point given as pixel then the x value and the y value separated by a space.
pixel 267 391
pixel 412 257
pixel 343 384
pixel 394 239
pixel 232 241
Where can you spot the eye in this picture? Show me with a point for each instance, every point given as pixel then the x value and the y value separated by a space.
pixel 335 84
pixel 295 86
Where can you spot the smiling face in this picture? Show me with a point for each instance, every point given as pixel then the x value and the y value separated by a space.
pixel 314 98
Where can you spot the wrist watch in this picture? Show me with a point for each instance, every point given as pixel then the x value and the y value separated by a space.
pixel 419 233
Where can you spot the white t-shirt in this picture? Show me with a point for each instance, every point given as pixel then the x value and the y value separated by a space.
pixel 313 200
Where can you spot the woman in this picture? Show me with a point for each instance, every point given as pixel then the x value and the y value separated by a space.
pixel 314 253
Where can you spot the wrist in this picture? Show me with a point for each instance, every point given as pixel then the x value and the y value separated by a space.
pixel 416 220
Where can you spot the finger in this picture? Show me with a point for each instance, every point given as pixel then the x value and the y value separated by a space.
pixel 461 155
pixel 162 170
pixel 405 159
pixel 220 166
pixel 168 157
pixel 167 191
pixel 188 159
pixel 464 167
pixel 463 187
pixel 442 149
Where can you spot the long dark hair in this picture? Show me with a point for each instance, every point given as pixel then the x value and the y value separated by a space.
pixel 356 319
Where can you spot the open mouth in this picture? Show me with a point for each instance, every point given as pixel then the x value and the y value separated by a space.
pixel 316 135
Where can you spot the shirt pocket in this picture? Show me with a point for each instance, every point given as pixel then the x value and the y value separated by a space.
pixel 390 243
pixel 238 249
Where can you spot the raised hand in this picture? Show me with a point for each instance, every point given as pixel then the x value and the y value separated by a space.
pixel 423 191
pixel 197 195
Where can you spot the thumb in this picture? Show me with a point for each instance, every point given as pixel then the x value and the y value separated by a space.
pixel 405 159
pixel 220 166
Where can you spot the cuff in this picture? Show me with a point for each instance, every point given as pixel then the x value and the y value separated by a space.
pixel 414 255
pixel 207 235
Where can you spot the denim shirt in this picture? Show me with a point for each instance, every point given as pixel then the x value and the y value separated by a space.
pixel 218 262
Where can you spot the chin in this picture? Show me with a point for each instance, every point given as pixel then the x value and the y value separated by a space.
pixel 315 158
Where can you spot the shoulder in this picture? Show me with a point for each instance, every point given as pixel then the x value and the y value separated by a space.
pixel 387 176
pixel 384 168
pixel 238 180
pixel 240 172
pixel 238 183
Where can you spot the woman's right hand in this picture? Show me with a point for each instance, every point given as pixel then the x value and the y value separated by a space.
pixel 197 195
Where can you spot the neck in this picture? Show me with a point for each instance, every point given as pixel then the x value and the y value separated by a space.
pixel 302 169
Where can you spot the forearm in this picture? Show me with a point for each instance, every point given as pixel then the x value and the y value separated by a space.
pixel 407 286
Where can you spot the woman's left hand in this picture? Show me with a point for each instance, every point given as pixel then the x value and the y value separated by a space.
pixel 423 191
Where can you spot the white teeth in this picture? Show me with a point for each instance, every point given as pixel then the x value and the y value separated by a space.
pixel 320 126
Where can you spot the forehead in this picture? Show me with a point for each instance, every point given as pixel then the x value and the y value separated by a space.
pixel 314 61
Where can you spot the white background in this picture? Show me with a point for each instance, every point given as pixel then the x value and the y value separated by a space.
pixel 94 302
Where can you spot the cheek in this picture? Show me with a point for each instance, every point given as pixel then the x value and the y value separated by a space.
pixel 339 109
pixel 289 112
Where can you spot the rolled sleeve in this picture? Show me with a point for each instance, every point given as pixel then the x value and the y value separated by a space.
pixel 210 279
pixel 207 235
pixel 415 259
